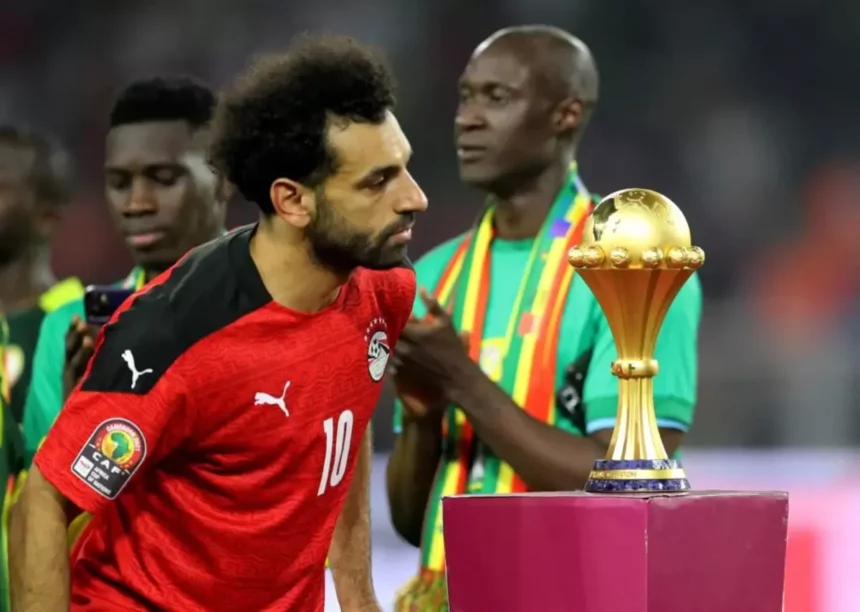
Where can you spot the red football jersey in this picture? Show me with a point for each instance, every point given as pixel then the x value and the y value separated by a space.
pixel 213 436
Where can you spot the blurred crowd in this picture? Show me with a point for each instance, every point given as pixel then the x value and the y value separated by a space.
pixel 741 112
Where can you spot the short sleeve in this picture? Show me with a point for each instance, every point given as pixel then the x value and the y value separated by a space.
pixel 129 412
pixel 45 396
pixel 676 352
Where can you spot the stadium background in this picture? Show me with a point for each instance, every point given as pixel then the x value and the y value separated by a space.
pixel 743 112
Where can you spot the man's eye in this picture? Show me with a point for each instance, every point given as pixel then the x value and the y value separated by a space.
pixel 378 182
pixel 166 177
pixel 117 181
pixel 498 96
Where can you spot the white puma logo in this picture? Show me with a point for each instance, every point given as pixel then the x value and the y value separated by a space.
pixel 129 360
pixel 270 400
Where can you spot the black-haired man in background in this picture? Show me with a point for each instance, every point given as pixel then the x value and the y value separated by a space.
pixel 164 199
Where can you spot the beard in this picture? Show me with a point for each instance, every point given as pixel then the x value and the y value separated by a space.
pixel 342 248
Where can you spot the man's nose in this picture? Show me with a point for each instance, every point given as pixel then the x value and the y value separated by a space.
pixel 141 200
pixel 468 118
pixel 414 199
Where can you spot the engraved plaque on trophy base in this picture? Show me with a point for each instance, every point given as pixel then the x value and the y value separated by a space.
pixel 636 475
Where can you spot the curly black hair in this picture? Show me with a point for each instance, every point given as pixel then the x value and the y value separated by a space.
pixel 179 98
pixel 52 172
pixel 272 122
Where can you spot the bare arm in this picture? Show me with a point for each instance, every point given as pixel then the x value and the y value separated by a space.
pixel 411 471
pixel 349 553
pixel 545 457
pixel 38 548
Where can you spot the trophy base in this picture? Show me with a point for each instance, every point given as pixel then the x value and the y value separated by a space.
pixel 636 476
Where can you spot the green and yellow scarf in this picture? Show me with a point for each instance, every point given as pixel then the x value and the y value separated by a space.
pixel 528 367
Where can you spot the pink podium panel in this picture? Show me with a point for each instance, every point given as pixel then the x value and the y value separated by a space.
pixel 701 551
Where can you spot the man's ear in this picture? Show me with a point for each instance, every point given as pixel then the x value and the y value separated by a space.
pixel 224 189
pixel 567 116
pixel 292 201
pixel 46 219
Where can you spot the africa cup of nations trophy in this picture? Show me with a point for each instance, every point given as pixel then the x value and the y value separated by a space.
pixel 635 255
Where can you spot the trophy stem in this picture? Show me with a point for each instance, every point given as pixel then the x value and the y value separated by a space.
pixel 636 434
pixel 636 460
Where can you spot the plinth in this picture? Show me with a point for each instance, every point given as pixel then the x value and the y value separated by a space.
pixel 697 551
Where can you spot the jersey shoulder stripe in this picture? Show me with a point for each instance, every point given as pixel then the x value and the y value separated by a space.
pixel 210 288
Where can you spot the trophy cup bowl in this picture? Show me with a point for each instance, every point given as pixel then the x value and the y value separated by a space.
pixel 635 255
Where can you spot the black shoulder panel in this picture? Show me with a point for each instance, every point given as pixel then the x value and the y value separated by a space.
pixel 212 287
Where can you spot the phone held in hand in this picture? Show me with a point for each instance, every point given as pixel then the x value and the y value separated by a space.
pixel 101 301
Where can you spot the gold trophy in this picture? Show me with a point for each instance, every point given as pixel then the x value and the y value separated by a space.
pixel 635 255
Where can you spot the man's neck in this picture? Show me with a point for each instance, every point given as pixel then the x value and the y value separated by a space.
pixel 520 214
pixel 150 272
pixel 290 274
pixel 23 281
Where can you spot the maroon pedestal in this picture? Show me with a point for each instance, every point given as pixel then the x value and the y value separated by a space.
pixel 702 551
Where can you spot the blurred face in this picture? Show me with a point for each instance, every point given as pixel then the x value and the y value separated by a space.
pixel 503 124
pixel 163 196
pixel 19 211
pixel 364 213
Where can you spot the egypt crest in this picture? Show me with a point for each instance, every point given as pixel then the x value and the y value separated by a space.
pixel 109 458
pixel 378 349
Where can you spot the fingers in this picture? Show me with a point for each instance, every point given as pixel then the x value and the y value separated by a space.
pixel 77 364
pixel 464 338
pixel 413 405
pixel 433 307
pixel 80 344
pixel 393 364
pixel 74 336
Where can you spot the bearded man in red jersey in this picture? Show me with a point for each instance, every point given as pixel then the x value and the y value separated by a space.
pixel 220 434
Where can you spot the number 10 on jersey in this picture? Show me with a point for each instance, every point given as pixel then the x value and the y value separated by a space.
pixel 336 450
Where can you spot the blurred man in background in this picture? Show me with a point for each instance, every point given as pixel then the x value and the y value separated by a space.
pixel 163 197
pixel 530 403
pixel 35 187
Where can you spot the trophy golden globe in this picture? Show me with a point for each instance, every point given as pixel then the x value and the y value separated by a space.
pixel 635 256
